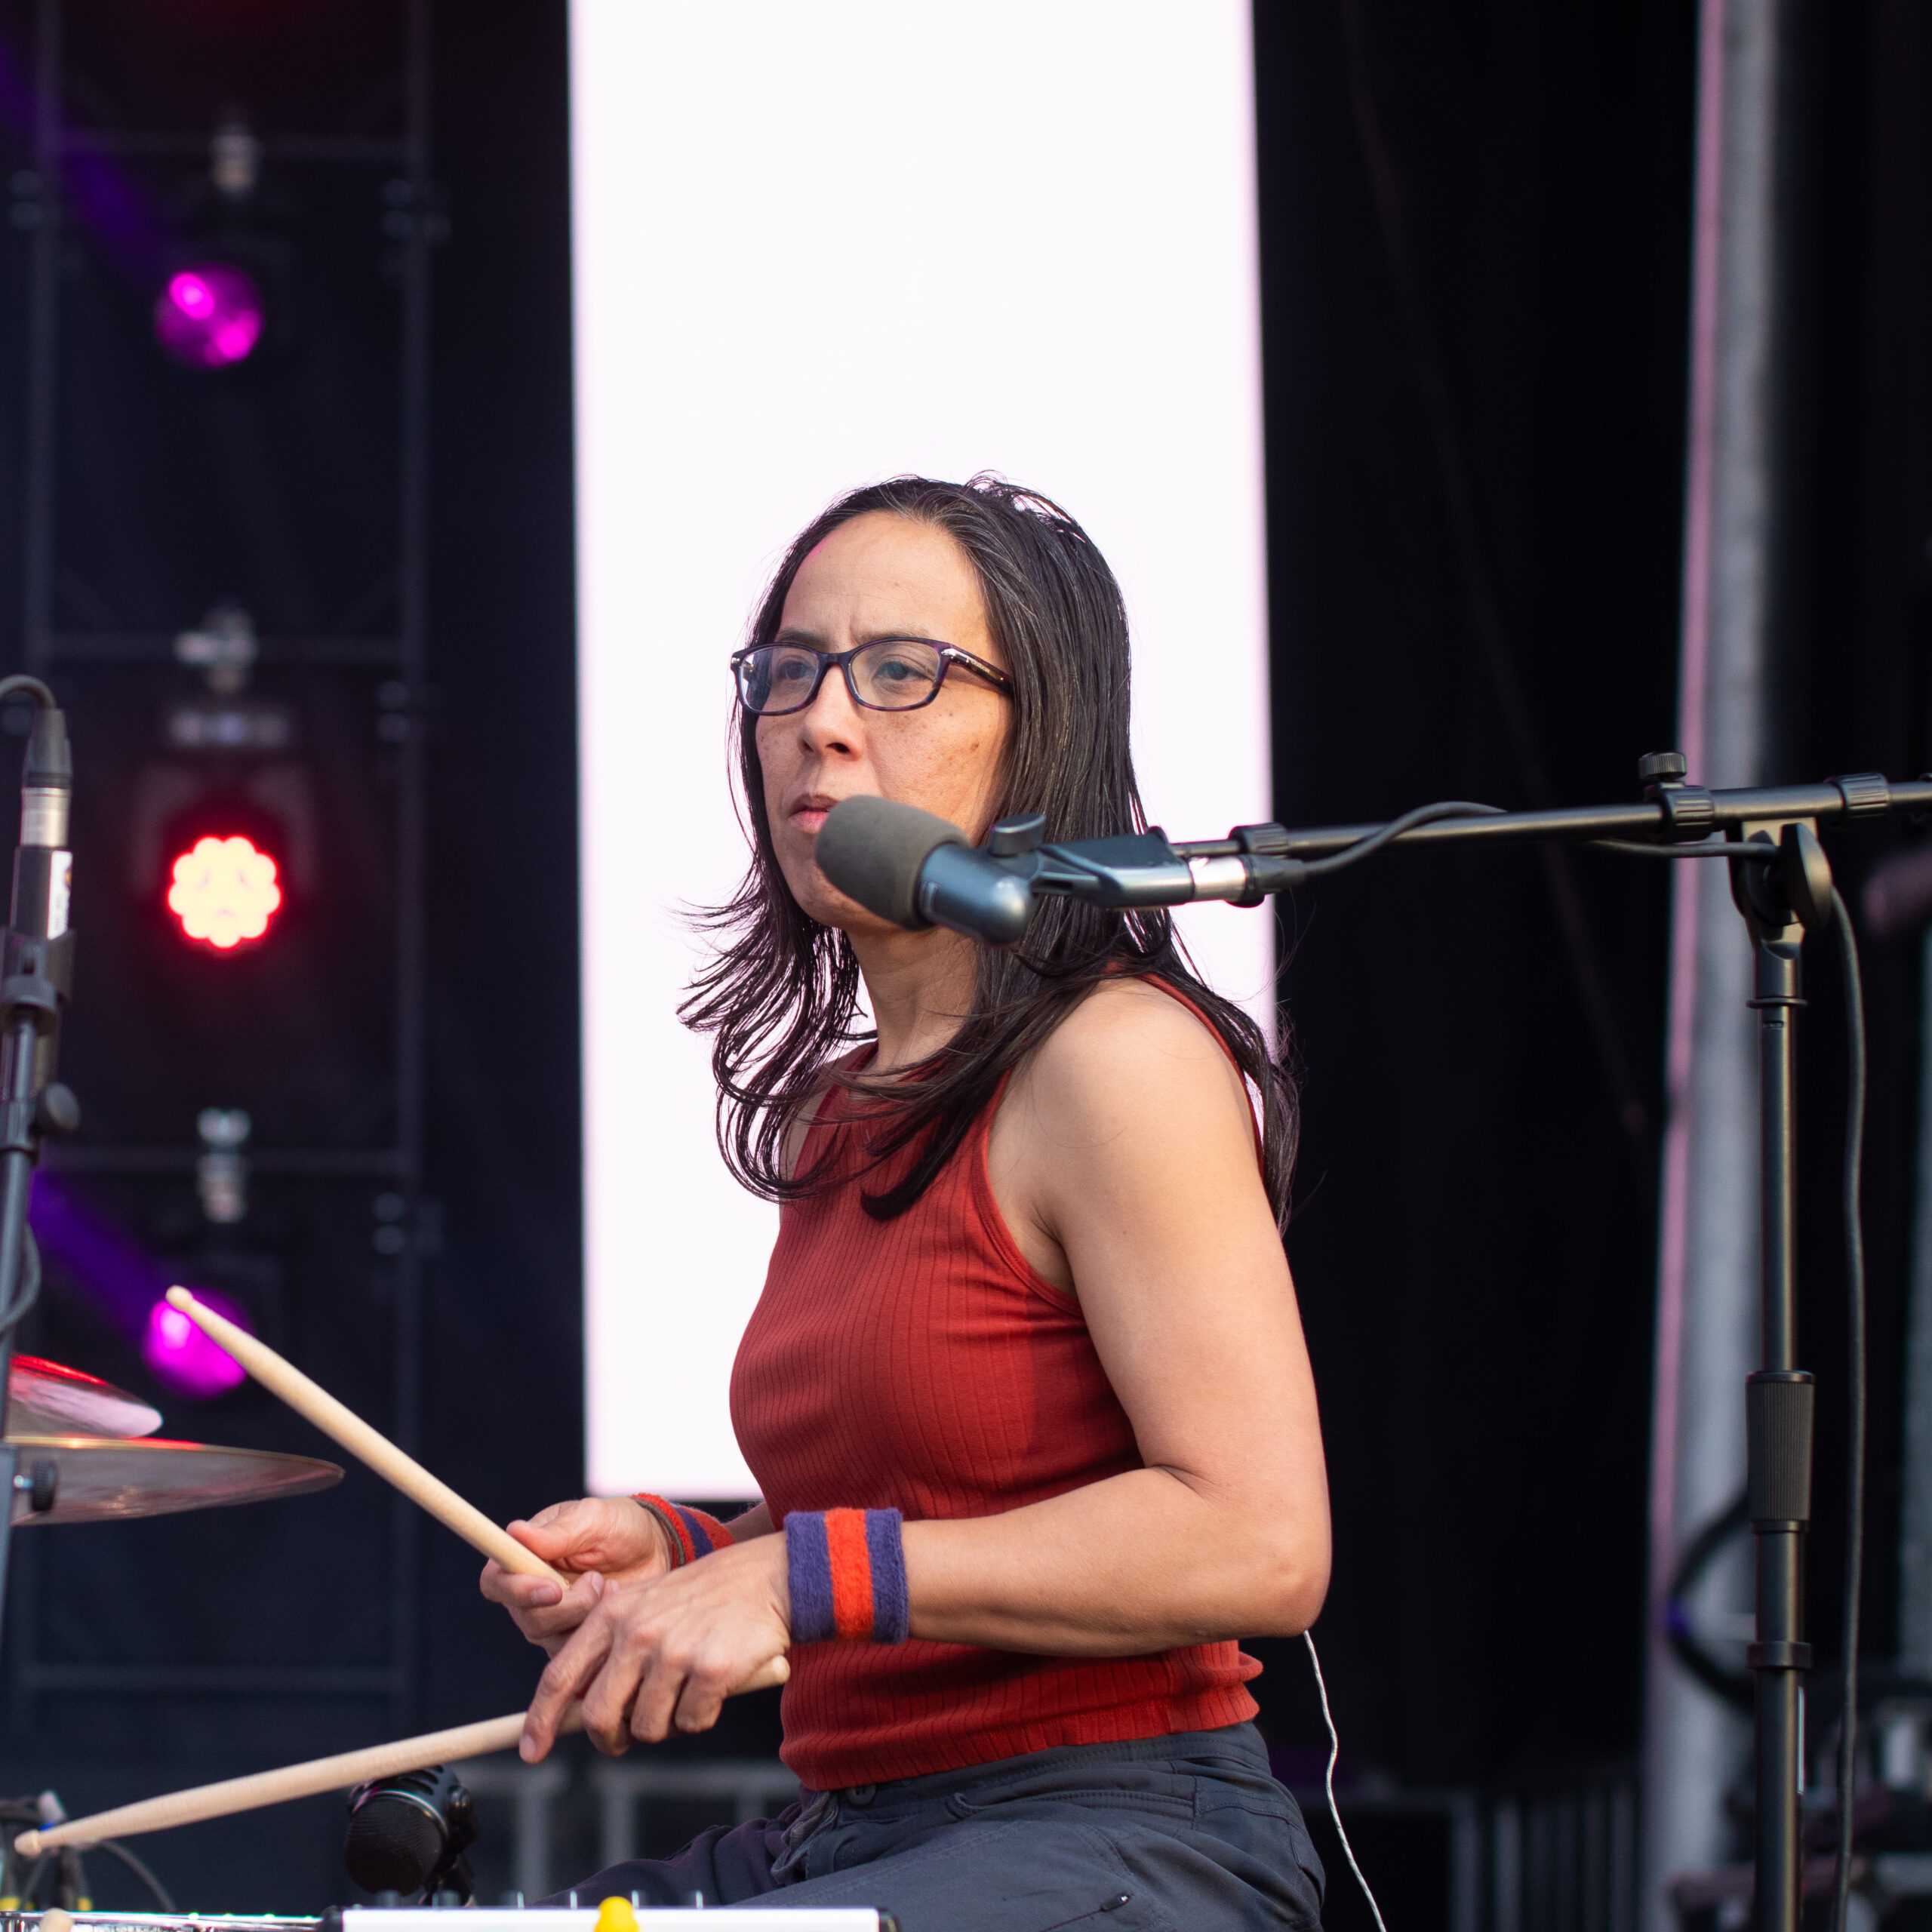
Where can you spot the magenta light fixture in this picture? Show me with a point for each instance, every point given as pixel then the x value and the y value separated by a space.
pixel 184 1359
pixel 209 316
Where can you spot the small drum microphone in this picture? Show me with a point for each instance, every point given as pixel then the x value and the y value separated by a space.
pixel 407 1834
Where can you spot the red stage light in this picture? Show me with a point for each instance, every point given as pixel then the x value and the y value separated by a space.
pixel 224 891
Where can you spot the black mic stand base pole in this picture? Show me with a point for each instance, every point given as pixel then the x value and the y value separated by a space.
pixel 35 973
pixel 19 1149
pixel 1778 1403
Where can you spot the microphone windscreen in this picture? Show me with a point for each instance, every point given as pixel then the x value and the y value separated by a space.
pixel 872 849
pixel 393 1844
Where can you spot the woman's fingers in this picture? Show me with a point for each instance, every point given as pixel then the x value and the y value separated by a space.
pixel 661 1679
pixel 603 1533
pixel 543 1612
pixel 567 1675
pixel 607 1699
pixel 663 1655
pixel 708 1683
pixel 515 1591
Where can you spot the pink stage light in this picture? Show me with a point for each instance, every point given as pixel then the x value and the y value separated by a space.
pixel 184 1359
pixel 209 316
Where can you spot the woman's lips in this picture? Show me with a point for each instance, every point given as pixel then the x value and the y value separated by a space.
pixel 808 818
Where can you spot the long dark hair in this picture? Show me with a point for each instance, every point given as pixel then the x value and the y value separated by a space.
pixel 781 994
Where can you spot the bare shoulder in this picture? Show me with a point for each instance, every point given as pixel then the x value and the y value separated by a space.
pixel 1130 1052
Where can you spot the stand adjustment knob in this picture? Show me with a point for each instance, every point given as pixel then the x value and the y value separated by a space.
pixel 1778 1654
pixel 41 1487
pixel 1011 837
pixel 1866 794
pixel 55 1112
pixel 1662 768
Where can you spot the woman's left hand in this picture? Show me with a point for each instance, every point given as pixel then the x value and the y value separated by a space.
pixel 664 1654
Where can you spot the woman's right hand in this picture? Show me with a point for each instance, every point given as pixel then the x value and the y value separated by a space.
pixel 595 1541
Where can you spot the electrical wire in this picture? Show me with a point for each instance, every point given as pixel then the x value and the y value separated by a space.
pixel 114 1848
pixel 1328 1780
pixel 1716 848
pixel 1854 1261
pixel 1760 849
pixel 29 1292
pixel 1381 835
pixel 14 686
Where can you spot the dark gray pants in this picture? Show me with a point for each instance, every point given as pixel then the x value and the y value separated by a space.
pixel 1182 1834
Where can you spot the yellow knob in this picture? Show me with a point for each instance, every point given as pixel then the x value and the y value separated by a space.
pixel 616 1915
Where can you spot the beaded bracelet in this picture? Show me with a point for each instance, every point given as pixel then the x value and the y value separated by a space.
pixel 693 1533
pixel 847 1569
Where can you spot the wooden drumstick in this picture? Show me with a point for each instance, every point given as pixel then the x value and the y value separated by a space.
pixel 308 1780
pixel 343 1425
pixel 310 1399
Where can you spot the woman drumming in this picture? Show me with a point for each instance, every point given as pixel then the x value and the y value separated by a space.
pixel 1026 1390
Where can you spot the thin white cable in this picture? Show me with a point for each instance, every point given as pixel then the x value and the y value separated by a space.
pixel 1328 1781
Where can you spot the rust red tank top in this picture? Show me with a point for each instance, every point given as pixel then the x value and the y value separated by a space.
pixel 921 1364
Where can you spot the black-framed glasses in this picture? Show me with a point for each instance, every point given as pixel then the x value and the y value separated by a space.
pixel 889 674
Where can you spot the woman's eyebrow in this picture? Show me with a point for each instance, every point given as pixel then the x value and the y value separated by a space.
pixel 816 640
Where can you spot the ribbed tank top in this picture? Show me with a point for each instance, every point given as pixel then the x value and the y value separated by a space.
pixel 921 1364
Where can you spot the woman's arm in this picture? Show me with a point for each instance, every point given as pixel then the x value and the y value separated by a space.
pixel 756 1521
pixel 1124 1160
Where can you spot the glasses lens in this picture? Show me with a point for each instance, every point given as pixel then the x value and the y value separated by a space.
pixel 778 677
pixel 897 676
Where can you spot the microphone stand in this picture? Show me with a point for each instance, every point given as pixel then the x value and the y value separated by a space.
pixel 1781 883
pixel 36 970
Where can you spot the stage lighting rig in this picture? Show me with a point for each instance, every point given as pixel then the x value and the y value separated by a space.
pixel 225 559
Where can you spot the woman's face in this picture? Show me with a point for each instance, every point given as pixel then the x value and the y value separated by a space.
pixel 881 575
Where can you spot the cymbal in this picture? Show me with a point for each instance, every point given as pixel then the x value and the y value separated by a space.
pixel 46 1399
pixel 108 1479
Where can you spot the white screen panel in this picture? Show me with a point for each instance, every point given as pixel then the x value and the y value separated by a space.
pixel 816 245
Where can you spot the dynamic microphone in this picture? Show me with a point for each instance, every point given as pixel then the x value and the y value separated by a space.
pixel 407 1834
pixel 917 870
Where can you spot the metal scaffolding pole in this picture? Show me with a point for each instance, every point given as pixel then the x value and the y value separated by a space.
pixel 1695 1747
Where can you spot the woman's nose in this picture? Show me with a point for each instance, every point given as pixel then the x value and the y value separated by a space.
pixel 832 721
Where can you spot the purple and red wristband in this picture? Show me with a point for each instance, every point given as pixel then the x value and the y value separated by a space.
pixel 847 1569
pixel 694 1532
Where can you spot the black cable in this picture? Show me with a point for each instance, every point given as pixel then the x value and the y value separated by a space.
pixel 1735 1686
pixel 1716 848
pixel 116 1848
pixel 1854 1263
pixel 21 681
pixel 29 1292
pixel 1381 835
pixel 1759 849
